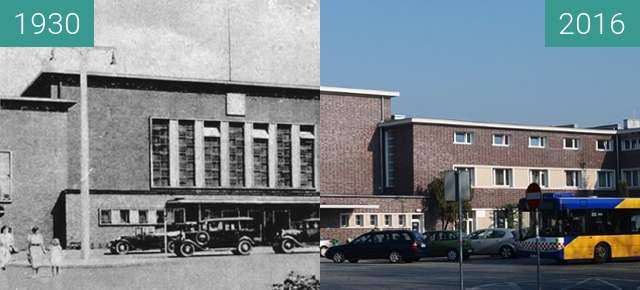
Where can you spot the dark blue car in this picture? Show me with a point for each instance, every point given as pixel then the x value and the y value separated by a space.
pixel 395 245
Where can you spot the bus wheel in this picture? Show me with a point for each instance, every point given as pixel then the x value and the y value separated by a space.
pixel 601 253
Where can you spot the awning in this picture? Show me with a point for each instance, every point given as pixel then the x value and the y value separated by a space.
pixel 245 199
pixel 349 206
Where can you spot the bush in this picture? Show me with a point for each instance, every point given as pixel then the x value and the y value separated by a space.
pixel 298 282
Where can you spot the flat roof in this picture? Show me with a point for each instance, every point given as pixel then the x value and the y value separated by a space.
pixel 245 199
pixel 367 92
pixel 459 123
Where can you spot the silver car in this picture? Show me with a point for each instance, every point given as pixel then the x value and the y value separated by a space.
pixel 494 242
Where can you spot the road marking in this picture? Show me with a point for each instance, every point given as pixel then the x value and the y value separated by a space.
pixel 577 284
pixel 512 285
pixel 609 284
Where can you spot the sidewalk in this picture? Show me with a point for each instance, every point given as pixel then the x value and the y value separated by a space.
pixel 101 258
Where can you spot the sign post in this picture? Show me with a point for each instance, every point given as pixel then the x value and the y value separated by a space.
pixel 457 188
pixel 534 197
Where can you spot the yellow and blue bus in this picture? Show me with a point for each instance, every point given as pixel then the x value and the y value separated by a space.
pixel 582 228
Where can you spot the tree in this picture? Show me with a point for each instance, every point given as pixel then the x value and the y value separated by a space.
pixel 623 188
pixel 447 211
pixel 509 211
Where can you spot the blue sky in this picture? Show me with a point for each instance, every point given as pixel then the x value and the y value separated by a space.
pixel 475 60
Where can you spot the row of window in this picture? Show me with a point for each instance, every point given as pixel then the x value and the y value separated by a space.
pixel 131 216
pixel 505 140
pixel 631 144
pixel 503 177
pixel 211 152
pixel 375 220
pixel 631 177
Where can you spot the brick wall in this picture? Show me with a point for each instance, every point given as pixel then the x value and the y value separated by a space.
pixel 349 143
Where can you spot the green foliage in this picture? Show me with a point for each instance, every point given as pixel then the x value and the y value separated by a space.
pixel 510 211
pixel 447 210
pixel 623 188
pixel 298 282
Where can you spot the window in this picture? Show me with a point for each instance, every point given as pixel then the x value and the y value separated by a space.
pixel 307 156
pixel 631 177
pixel 463 138
pixel 373 220
pixel 344 220
pixel 178 215
pixel 284 155
pixel 260 155
pixel 541 177
pixel 390 158
pixel 571 143
pixel 630 144
pixel 472 173
pixel 105 217
pixel 359 220
pixel 501 140
pixel 502 177
pixel 143 216
pixel 124 216
pixel 160 152
pixel 5 176
pixel 605 179
pixel 402 220
pixel 574 178
pixel 604 145
pixel 387 220
pixel 186 153
pixel 537 142
pixel 160 216
pixel 211 154
pixel 236 154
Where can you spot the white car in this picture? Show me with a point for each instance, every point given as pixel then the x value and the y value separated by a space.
pixel 324 245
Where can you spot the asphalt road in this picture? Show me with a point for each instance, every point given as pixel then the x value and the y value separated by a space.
pixel 480 273
pixel 218 271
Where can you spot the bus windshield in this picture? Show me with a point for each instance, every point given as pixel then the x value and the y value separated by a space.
pixel 559 223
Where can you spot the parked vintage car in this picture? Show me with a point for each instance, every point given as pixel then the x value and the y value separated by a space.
pixel 305 233
pixel 445 244
pixel 325 244
pixel 395 245
pixel 494 242
pixel 147 240
pixel 235 234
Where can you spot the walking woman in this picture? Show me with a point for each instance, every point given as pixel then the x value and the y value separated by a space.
pixel 37 252
pixel 6 237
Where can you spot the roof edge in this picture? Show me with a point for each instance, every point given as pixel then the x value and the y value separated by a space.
pixel 353 91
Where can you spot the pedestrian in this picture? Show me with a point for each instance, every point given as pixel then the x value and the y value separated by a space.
pixel 37 252
pixel 5 255
pixel 55 257
pixel 6 236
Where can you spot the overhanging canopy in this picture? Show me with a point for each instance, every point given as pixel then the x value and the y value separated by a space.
pixel 349 206
pixel 245 199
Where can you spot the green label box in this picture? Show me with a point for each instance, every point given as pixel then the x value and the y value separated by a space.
pixel 592 23
pixel 46 23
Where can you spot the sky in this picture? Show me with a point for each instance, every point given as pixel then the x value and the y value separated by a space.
pixel 475 60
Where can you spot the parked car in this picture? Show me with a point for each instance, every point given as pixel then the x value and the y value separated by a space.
pixel 235 234
pixel 395 245
pixel 304 233
pixel 494 242
pixel 325 244
pixel 147 240
pixel 446 244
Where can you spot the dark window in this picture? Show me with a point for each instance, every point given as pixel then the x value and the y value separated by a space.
pixel 187 156
pixel 160 216
pixel 284 155
pixel 124 216
pixel 496 235
pixel 211 155
pixel 105 216
pixel 261 162
pixel 143 217
pixel 160 152
pixel 236 154
pixel 306 157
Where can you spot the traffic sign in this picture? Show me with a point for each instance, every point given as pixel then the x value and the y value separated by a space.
pixel 464 185
pixel 533 195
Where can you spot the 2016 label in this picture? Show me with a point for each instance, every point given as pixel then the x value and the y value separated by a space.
pixel 583 23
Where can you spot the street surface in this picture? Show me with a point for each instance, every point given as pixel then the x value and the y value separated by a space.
pixel 209 271
pixel 481 272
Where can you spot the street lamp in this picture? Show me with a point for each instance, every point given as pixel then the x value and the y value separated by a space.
pixel 85 204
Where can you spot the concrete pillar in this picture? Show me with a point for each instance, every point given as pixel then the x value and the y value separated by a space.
pixel 174 154
pixel 273 155
pixel 224 154
pixel 295 155
pixel 198 135
pixel 248 154
pixel 316 158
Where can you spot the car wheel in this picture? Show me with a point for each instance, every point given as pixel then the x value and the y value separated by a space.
pixel 395 257
pixel 202 238
pixel 244 248
pixel 287 246
pixel 171 246
pixel 506 252
pixel 323 251
pixel 338 257
pixel 122 248
pixel 186 249
pixel 452 255
pixel 353 261
pixel 601 253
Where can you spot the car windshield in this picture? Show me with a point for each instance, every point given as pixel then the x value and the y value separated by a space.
pixel 360 239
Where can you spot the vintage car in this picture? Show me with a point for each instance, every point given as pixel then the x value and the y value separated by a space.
pixel 145 239
pixel 305 233
pixel 235 234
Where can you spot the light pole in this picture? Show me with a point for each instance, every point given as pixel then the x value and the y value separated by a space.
pixel 85 201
